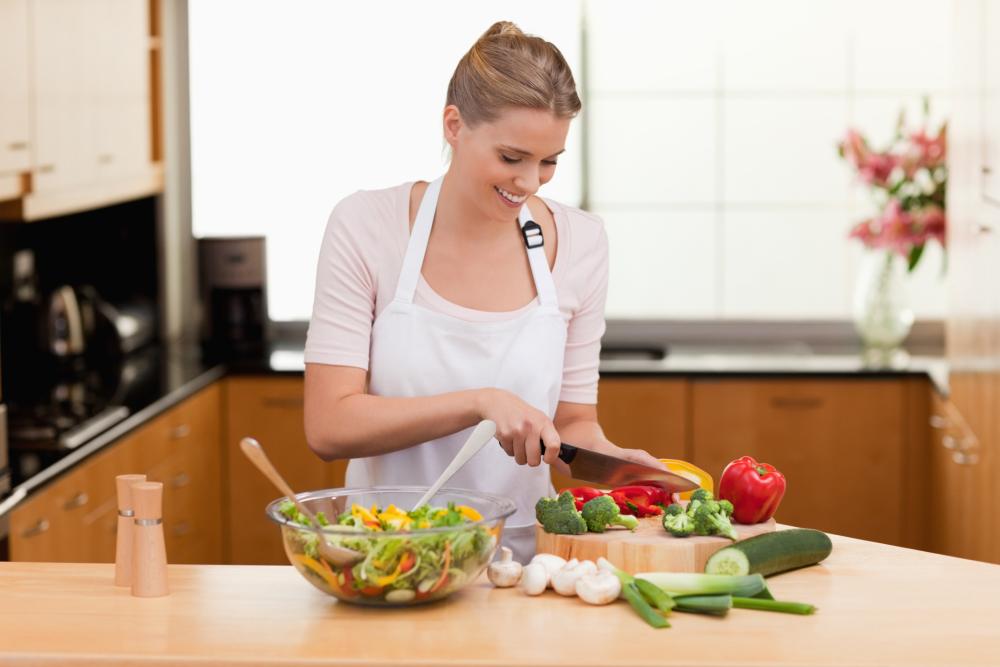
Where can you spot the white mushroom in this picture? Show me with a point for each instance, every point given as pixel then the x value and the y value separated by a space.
pixel 505 572
pixel 564 581
pixel 550 562
pixel 534 579
pixel 604 565
pixel 599 588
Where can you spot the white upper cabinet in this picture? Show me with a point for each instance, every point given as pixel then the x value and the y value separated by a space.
pixel 14 92
pixel 88 103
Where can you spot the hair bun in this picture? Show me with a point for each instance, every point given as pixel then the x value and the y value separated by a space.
pixel 502 28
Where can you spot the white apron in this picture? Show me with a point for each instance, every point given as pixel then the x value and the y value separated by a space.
pixel 419 352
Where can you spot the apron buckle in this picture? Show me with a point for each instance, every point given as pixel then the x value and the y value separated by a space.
pixel 532 233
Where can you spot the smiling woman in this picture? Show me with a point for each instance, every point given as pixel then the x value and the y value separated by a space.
pixel 441 304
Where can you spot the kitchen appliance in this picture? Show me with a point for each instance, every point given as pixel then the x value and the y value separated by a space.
pixel 234 298
pixel 600 468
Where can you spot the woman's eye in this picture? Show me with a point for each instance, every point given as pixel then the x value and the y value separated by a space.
pixel 550 163
pixel 510 160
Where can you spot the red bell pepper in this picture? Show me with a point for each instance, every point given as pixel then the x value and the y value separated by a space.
pixel 640 500
pixel 755 489
pixel 581 494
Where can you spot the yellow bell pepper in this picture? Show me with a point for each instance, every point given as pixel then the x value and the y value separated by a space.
pixel 692 472
pixel 469 513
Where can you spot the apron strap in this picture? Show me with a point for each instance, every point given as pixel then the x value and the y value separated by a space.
pixel 535 244
pixel 416 248
pixel 409 274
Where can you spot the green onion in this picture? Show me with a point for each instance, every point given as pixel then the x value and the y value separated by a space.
pixel 771 605
pixel 688 583
pixel 648 614
pixel 654 595
pixel 717 605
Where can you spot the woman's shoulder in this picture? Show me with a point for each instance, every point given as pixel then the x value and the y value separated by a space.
pixel 583 229
pixel 384 202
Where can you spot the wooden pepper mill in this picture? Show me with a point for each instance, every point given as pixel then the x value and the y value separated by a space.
pixel 149 553
pixel 126 518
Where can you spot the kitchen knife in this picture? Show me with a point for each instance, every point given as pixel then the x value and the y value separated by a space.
pixel 603 469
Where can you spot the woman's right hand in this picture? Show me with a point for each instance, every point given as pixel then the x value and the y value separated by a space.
pixel 520 427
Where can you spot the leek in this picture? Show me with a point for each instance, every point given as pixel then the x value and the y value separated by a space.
pixel 771 605
pixel 687 583
pixel 716 605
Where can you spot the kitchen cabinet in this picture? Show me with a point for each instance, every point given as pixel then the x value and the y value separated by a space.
pixel 641 413
pixel 841 444
pixel 270 410
pixel 970 465
pixel 91 107
pixel 75 518
pixel 960 483
pixel 14 92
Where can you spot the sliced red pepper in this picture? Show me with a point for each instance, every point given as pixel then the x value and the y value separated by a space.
pixel 755 489
pixel 406 562
pixel 581 494
pixel 640 501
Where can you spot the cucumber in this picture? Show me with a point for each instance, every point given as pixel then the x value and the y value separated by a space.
pixel 771 553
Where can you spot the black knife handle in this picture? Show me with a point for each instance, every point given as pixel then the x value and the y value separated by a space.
pixel 566 452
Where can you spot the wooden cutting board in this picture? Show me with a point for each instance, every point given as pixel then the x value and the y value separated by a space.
pixel 649 549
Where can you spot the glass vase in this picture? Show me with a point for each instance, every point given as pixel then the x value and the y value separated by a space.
pixel 882 313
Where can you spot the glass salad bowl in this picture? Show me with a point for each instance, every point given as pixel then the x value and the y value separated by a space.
pixel 405 557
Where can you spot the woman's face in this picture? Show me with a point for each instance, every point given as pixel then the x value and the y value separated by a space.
pixel 501 163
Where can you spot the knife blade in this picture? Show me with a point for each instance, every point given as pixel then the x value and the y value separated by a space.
pixel 600 468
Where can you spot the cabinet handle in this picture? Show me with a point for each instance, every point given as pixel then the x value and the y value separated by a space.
pixel 46 168
pixel 79 500
pixel 180 480
pixel 282 402
pixel 937 421
pixel 181 528
pixel 178 432
pixel 105 158
pixel 17 146
pixel 41 526
pixel 965 458
pixel 795 403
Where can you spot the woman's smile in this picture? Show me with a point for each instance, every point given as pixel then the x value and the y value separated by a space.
pixel 509 198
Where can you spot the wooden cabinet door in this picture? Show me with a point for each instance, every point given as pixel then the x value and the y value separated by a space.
pixel 191 474
pixel 840 445
pixel 14 112
pixel 270 410
pixel 641 413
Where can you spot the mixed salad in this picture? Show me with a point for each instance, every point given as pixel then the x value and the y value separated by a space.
pixel 397 568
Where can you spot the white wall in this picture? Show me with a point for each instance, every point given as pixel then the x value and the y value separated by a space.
pixel 712 129
pixel 712 132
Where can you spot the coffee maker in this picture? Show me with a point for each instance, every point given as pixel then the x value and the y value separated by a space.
pixel 234 297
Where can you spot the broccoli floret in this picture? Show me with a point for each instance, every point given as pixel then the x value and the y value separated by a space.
pixel 559 515
pixel 602 512
pixel 713 521
pixel 678 525
pixel 726 507
pixel 702 495
pixel 674 508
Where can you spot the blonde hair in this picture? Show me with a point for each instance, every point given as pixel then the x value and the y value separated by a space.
pixel 507 68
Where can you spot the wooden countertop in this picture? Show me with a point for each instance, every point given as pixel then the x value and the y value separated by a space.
pixel 878 605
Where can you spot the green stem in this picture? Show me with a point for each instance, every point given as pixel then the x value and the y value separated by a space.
pixel 773 605
pixel 643 608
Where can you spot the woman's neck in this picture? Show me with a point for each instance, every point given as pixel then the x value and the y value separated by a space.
pixel 457 213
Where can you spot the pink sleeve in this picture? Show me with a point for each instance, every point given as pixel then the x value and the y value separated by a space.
pixel 344 301
pixel 589 279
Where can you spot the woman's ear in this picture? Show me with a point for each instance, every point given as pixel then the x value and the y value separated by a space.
pixel 452 125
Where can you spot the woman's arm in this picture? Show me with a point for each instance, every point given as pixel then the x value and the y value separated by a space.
pixel 343 421
pixel 577 425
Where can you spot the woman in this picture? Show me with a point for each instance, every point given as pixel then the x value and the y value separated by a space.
pixel 439 305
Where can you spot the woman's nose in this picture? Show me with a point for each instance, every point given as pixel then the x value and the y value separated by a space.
pixel 528 183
